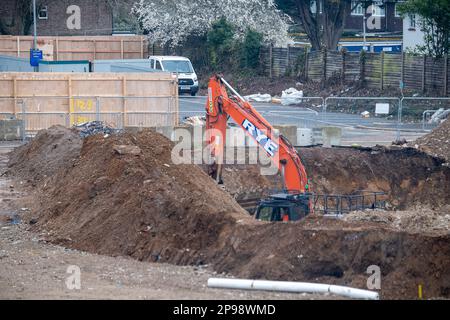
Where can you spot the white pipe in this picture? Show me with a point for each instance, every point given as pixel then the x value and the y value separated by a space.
pixel 286 286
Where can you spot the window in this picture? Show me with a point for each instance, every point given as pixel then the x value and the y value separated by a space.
pixel 412 21
pixel 158 65
pixel 43 13
pixel 152 63
pixel 179 66
pixel 397 12
pixel 378 10
pixel 265 213
pixel 314 5
pixel 358 8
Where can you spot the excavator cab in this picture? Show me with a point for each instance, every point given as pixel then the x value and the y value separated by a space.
pixel 283 207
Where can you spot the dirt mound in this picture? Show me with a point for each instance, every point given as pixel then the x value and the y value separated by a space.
pixel 436 143
pixel 415 220
pixel 48 152
pixel 122 196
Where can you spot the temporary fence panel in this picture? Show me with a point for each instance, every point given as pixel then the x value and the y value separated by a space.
pixel 49 96
pixel 429 110
pixel 77 47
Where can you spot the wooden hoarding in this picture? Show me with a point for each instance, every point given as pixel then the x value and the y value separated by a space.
pixel 120 99
pixel 78 47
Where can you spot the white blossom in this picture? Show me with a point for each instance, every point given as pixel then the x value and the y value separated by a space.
pixel 172 21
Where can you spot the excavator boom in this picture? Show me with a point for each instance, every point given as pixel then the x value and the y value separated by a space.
pixel 220 107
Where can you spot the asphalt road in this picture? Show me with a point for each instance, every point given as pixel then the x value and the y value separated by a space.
pixel 364 131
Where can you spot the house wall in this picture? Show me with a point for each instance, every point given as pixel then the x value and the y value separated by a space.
pixel 389 23
pixel 412 37
pixel 96 17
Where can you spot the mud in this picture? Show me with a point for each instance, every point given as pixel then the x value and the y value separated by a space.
pixel 48 152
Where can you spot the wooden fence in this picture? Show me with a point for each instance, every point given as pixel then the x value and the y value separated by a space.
pixel 376 70
pixel 133 99
pixel 77 48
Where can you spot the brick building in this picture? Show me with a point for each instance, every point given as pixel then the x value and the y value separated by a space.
pixel 57 17
pixel 379 18
pixel 386 18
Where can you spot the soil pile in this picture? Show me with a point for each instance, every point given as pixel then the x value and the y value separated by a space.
pixel 43 156
pixel 414 220
pixel 123 196
pixel 436 143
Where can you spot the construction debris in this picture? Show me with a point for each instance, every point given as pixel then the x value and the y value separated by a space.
pixel 195 120
pixel 291 96
pixel 439 115
pixel 87 129
pixel 259 97
pixel 126 149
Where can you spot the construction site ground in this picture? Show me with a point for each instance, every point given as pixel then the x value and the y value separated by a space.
pixel 32 268
pixel 117 202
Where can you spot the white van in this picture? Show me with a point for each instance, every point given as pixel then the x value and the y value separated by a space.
pixel 187 79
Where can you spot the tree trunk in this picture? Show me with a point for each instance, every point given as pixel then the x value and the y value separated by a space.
pixel 21 21
pixel 310 23
pixel 324 29
pixel 334 14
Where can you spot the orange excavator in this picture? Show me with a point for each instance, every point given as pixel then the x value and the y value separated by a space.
pixel 293 203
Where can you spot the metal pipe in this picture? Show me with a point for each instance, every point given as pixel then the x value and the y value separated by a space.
pixel 287 286
pixel 34 26
pixel 34 30
pixel 231 89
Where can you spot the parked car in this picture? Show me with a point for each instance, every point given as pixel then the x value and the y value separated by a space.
pixel 187 78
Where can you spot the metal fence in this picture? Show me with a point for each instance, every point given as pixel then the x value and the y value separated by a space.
pixel 428 109
pixel 363 120
pixel 39 113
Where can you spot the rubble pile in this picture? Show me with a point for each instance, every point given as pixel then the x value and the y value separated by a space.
pixel 436 143
pixel 94 127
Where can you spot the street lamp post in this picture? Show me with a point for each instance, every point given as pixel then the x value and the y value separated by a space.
pixel 34 30
pixel 364 32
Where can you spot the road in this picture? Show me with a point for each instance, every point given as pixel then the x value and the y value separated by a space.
pixel 364 131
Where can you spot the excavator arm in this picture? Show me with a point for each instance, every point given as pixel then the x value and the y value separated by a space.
pixel 220 107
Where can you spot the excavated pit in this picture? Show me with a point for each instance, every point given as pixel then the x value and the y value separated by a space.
pixel 122 196
pixel 407 176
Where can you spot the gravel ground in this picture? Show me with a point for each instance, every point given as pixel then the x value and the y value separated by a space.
pixel 30 268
